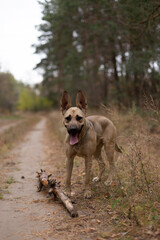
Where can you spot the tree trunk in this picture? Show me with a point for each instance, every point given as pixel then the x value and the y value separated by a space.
pixel 116 78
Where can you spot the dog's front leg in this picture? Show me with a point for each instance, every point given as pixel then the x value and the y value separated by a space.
pixel 88 165
pixel 69 167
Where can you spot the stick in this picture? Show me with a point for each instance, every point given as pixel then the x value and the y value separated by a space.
pixel 43 179
pixel 54 189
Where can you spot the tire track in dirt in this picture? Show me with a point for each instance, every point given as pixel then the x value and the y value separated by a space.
pixel 24 212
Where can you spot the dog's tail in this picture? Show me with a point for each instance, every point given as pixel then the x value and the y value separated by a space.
pixel 119 148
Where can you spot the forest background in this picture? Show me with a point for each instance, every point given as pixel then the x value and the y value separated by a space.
pixel 109 49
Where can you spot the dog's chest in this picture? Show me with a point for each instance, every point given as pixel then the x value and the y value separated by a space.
pixel 85 149
pixel 80 150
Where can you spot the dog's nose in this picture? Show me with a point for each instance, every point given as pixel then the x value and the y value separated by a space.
pixel 72 129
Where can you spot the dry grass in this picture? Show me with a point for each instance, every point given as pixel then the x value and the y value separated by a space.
pixel 14 134
pixel 138 166
pixel 130 206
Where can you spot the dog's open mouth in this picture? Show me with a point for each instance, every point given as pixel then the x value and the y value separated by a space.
pixel 73 138
pixel 74 134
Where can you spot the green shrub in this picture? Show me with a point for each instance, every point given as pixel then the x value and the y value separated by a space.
pixel 29 100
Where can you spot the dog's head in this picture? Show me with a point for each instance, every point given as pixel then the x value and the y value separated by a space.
pixel 74 117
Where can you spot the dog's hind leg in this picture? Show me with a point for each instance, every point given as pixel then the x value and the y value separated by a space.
pixel 109 149
pixel 88 165
pixel 98 157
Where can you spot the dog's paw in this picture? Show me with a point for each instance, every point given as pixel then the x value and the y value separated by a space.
pixel 87 193
pixel 108 182
pixel 96 179
pixel 67 192
pixel 110 178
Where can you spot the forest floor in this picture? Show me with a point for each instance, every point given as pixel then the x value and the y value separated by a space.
pixel 125 210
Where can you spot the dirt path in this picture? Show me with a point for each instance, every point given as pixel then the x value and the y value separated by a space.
pixel 24 212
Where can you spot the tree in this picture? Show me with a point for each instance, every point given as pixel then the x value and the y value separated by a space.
pixel 8 92
pixel 110 49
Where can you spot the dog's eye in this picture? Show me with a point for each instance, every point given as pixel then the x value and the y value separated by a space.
pixel 78 118
pixel 68 118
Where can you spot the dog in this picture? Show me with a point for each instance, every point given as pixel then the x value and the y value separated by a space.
pixel 85 138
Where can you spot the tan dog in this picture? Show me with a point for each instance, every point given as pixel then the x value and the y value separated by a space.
pixel 86 137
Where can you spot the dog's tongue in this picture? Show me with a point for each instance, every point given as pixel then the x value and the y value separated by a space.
pixel 73 139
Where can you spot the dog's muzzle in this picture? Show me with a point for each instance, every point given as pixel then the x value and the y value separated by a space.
pixel 74 134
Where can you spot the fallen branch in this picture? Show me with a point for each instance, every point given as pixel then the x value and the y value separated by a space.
pixel 43 179
pixel 53 188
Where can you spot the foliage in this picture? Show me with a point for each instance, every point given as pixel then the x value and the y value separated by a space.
pixel 30 101
pixel 8 92
pixel 13 93
pixel 108 48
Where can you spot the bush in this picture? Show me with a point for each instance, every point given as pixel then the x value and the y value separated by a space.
pixel 29 100
pixel 8 92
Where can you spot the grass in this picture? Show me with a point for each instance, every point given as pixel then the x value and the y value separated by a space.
pixel 10 180
pixel 138 171
pixel 14 134
pixel 10 116
pixel 131 203
pixel 1 196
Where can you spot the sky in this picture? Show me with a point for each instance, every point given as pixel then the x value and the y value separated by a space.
pixel 18 19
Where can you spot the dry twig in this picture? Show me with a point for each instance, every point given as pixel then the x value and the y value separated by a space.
pixel 53 188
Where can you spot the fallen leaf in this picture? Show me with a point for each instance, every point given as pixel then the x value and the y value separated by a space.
pixel 93 230
pixel 113 184
pixel 107 195
pixel 150 233
pixel 96 221
pixel 115 235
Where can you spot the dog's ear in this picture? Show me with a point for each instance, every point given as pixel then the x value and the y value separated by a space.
pixel 65 102
pixel 81 101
